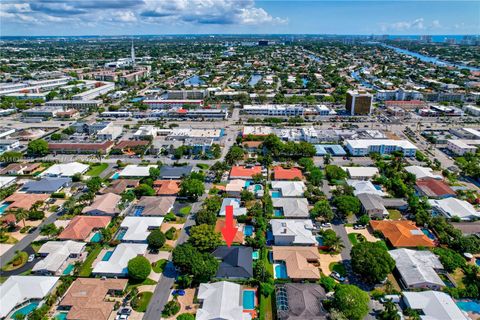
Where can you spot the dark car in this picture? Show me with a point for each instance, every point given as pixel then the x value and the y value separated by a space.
pixel 32 230
pixel 125 311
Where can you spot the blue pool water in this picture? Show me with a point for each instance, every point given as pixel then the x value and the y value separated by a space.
pixel 25 310
pixel 138 211
pixel 319 240
pixel 257 187
pixel 248 183
pixel 3 207
pixel 115 176
pixel 469 305
pixel 121 234
pixel 107 255
pixel 255 255
pixel 477 262
pixel 61 316
pixel 377 187
pixel 248 230
pixel 248 300
pixel 193 81
pixel 68 269
pixel 304 82
pixel 97 237
pixel 277 212
pixel 254 79
pixel 137 99
pixel 276 194
pixel 280 271
pixel 428 233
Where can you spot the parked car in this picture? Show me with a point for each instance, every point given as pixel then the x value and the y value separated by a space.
pixel 125 311
pixel 32 230
pixel 31 258
pixel 326 225
pixel 178 292
pixel 335 275
pixel 359 226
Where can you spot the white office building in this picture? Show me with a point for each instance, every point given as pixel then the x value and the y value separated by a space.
pixel 382 146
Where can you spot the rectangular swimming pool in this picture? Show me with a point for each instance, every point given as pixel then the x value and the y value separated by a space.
pixel 68 269
pixel 121 234
pixel 248 230
pixel 280 271
pixel 3 207
pixel 107 255
pixel 115 176
pixel 276 194
pixel 428 233
pixel 278 213
pixel 138 211
pixel 248 300
pixel 97 237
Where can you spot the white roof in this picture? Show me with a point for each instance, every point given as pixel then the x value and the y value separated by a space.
pixel 235 185
pixel 359 172
pixel 65 169
pixel 289 188
pixel 6 181
pixel 118 262
pixel 235 203
pixel 366 143
pixel 452 207
pixel 292 207
pixel 138 228
pixel 361 186
pixel 221 300
pixel 57 253
pixel 417 267
pixel 435 305
pixel 422 172
pixel 18 289
pixel 134 170
pixel 300 229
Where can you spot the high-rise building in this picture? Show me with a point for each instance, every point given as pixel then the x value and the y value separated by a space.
pixel 133 54
pixel 358 103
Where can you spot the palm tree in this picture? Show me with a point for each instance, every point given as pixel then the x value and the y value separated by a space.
pixel 21 214
pixel 336 244
pixel 327 159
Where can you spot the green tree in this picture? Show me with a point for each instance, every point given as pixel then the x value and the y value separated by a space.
pixel 144 190
pixel 331 240
pixel 189 260
pixel 390 312
pixel 235 154
pixel 351 301
pixel 347 205
pixel 186 316
pixel 191 188
pixel 94 184
pixel 156 239
pixel 56 136
pixel 371 261
pixel 11 156
pixel 204 238
pixel 315 177
pixel 139 268
pixel 334 172
pixel 37 148
pixel 154 173
pixel 171 308
pixel 322 210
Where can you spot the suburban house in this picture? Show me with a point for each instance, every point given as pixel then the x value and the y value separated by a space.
pixel 58 255
pixel 361 173
pixel 120 185
pixel 82 228
pixel 20 168
pixel 376 206
pixel 433 305
pixel 65 169
pixel 153 206
pixel 280 173
pixel 417 269
pixel 235 187
pixel 236 262
pixel 453 207
pixel 239 236
pixel 86 299
pixel 290 207
pixel 244 172
pixel 238 210
pixel 423 172
pixel 116 264
pixel 300 301
pixel 288 232
pixel 174 173
pixel 104 205
pixel 24 200
pixel 6 182
pixel 220 300
pixel 468 228
pixel 302 263
pixel 46 185
pixel 18 291
pixel 402 233
pixel 289 188
pixel 166 187
pixel 364 186
pixel 137 229
pixel 433 188
pixel 136 171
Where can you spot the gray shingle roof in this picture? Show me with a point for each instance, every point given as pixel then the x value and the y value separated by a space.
pixel 236 262
pixel 301 301
pixel 168 172
pixel 46 185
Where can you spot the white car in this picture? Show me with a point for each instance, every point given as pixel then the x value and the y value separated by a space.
pixel 31 258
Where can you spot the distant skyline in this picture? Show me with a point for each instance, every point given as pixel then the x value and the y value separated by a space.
pixel 137 17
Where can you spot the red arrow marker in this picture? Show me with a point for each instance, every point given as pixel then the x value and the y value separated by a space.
pixel 229 230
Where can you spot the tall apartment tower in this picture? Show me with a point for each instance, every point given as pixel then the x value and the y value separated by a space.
pixel 358 103
pixel 133 54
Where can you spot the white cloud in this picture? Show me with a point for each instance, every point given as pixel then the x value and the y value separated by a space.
pixel 418 24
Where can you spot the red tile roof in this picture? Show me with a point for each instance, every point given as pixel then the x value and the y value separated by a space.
pixel 131 143
pixel 402 233
pixel 166 187
pixel 80 227
pixel 221 223
pixel 280 173
pixel 243 172
pixel 434 188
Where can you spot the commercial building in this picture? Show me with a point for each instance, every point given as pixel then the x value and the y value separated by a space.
pixel 358 103
pixel 473 110
pixel 8 145
pixel 76 104
pixel 80 147
pixel 100 89
pixel 42 112
pixel 332 149
pixel 186 94
pixel 398 95
pixel 461 147
pixel 274 110
pixel 169 104
pixel 381 146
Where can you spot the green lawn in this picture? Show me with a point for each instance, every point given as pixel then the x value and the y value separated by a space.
pixel 185 210
pixel 394 215
pixel 265 308
pixel 96 169
pixel 17 261
pixel 133 284
pixel 141 301
pixel 159 266
pixel 86 268
pixel 356 238
pixel 338 267
pixel 203 166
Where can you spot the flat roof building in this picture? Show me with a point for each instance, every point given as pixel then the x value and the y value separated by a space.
pixel 382 146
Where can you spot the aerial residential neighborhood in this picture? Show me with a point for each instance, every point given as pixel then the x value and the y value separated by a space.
pixel 239 160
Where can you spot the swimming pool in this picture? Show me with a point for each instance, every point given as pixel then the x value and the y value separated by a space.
pixel 255 255
pixel 26 310
pixel 121 234
pixel 3 207
pixel 319 240
pixel 248 230
pixel 68 269
pixel 247 183
pixel 469 305
pixel 278 212
pixel 61 316
pixel 138 211
pixel 97 237
pixel 428 233
pixel 115 176
pixel 477 262
pixel 276 194
pixel 257 188
pixel 280 270
pixel 107 255
pixel 248 300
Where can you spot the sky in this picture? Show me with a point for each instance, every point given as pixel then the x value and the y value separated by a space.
pixel 136 17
